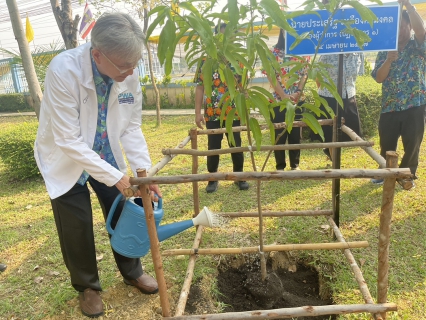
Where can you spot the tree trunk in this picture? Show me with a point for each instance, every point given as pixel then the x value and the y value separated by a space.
pixel 27 60
pixel 151 70
pixel 154 85
pixel 67 26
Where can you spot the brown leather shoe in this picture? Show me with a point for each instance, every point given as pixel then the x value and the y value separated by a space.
pixel 91 303
pixel 145 283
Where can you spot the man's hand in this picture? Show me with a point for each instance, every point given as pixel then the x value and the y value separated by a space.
pixel 392 56
pixel 155 191
pixel 122 184
pixel 199 120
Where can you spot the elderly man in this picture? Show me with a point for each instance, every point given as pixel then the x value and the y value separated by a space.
pixel 402 75
pixel 91 110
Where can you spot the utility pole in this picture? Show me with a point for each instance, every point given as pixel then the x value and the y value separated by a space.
pixel 27 60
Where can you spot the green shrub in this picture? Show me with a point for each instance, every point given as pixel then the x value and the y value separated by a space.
pixel 17 150
pixel 13 102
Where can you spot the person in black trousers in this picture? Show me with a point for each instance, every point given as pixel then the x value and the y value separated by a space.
pixel 281 92
pixel 211 118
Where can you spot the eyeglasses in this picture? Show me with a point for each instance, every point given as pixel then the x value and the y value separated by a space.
pixel 119 70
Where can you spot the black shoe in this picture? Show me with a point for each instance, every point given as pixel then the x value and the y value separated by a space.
pixel 2 267
pixel 242 185
pixel 327 153
pixel 212 186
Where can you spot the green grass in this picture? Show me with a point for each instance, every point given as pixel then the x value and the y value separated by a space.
pixel 30 247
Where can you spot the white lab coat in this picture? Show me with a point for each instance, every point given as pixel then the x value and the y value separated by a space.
pixel 68 121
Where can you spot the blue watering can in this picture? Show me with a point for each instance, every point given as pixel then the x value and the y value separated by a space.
pixel 130 236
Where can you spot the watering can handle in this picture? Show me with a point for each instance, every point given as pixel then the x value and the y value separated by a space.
pixel 111 213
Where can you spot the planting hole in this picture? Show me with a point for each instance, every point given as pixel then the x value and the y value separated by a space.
pixel 239 287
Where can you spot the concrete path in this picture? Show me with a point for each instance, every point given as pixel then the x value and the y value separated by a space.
pixel 164 112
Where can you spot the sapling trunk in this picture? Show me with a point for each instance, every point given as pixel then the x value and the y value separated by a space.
pixel 259 204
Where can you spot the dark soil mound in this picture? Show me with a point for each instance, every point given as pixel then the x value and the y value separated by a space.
pixel 239 287
pixel 242 289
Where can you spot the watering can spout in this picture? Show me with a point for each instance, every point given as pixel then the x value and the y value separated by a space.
pixel 204 218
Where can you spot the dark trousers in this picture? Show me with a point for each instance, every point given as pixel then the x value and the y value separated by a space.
pixel 215 142
pixel 293 138
pixel 410 126
pixel 74 223
pixel 349 112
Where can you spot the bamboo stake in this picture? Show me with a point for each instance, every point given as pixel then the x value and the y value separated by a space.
pixel 269 248
pixel 278 175
pixel 268 148
pixel 355 269
pixel 385 230
pixel 154 244
pixel 289 213
pixel 166 159
pixel 282 125
pixel 336 157
pixel 369 150
pixel 180 307
pixel 285 313
pixel 195 194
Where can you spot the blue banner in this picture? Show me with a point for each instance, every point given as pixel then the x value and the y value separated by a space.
pixel 383 34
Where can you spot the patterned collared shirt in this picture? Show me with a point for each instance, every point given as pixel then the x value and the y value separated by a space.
pixel 212 111
pixel 405 85
pixel 353 65
pixel 101 144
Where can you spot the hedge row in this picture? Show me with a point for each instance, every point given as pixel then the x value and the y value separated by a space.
pixel 14 102
pixel 17 150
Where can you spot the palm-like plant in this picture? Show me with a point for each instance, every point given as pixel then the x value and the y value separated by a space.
pixel 42 56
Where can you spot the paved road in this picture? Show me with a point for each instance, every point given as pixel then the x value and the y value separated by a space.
pixel 164 112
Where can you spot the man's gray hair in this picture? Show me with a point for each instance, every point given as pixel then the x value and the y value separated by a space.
pixel 118 34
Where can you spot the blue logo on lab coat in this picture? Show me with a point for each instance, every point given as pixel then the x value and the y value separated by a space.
pixel 126 98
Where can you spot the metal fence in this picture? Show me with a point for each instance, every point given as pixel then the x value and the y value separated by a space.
pixel 12 77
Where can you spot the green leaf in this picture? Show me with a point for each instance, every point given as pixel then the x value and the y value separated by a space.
pixel 234 13
pixel 230 82
pixel 275 12
pixel 207 70
pixel 313 108
pixel 240 104
pixel 167 39
pixel 260 102
pixel 228 124
pixel 313 123
pixel 299 39
pixel 364 12
pixel 234 63
pixel 188 6
pixel 262 90
pixel 169 62
pixel 157 20
pixel 257 133
pixel 289 115
pixel 272 131
pixel 266 63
